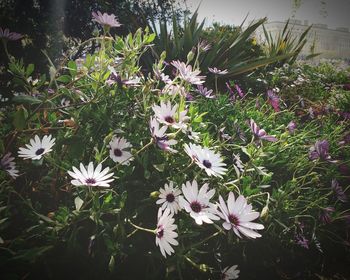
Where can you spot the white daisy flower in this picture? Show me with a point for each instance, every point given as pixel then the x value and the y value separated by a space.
pixel 174 89
pixel 65 102
pixel 160 76
pixel 187 74
pixel 229 273
pixel 37 148
pixel 238 216
pixel 165 78
pixel 90 176
pixel 191 151
pixel 118 152
pixel 197 202
pixel 165 232
pixel 204 45
pixel 169 198
pixel 217 71
pixel 192 135
pixel 206 159
pixel 7 164
pixel 238 164
pixel 105 19
pixel 134 81
pixel 207 93
pixel 159 136
pixel 168 115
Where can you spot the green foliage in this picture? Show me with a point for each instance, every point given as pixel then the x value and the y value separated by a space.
pixel 286 43
pixel 231 52
pixel 95 232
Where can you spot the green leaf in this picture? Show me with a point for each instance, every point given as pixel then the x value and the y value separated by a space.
pixel 2 148
pixel 150 38
pixel 30 69
pixel 72 67
pixel 19 120
pixel 78 203
pixel 3 220
pixel 38 162
pixel 159 167
pixel 26 99
pixel 32 254
pixel 75 145
pixel 64 79
pixel 147 174
pixel 111 264
pixel 44 218
pixel 122 200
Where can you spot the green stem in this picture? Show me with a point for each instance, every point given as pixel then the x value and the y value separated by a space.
pixel 6 50
pixel 192 262
pixel 52 161
pixel 205 240
pixel 141 228
pixel 187 167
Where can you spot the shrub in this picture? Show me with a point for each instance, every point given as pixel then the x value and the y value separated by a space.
pixel 116 164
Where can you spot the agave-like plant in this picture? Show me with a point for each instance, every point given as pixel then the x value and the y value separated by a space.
pixel 227 53
pixel 286 43
pixel 179 41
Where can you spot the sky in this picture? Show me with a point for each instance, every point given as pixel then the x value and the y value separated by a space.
pixel 234 11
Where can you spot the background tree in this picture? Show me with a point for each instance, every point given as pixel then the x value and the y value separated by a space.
pixel 51 25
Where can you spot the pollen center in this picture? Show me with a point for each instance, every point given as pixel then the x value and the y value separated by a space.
pixel 170 197
pixel 233 219
pixel 160 232
pixel 39 151
pixel 196 207
pixel 117 152
pixel 169 119
pixel 207 163
pixel 90 181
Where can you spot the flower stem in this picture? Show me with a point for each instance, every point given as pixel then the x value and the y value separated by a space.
pixel 205 239
pixel 187 167
pixel 141 228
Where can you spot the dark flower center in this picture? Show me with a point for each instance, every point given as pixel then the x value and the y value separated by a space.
pixel 160 232
pixel 206 163
pixel 39 151
pixel 169 119
pixel 117 152
pixel 233 219
pixel 196 206
pixel 170 197
pixel 90 181
pixel 163 138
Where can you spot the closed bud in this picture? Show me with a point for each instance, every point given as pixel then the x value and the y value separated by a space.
pixel 163 55
pixel 51 215
pixel 154 194
pixel 190 56
pixel 203 267
pixel 52 72
pixel 264 213
pixel 108 138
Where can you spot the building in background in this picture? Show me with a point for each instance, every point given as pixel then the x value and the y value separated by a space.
pixel 331 43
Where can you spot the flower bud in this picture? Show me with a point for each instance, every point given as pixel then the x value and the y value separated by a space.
pixel 264 212
pixel 163 55
pixel 108 138
pixel 154 194
pixel 203 267
pixel 190 56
